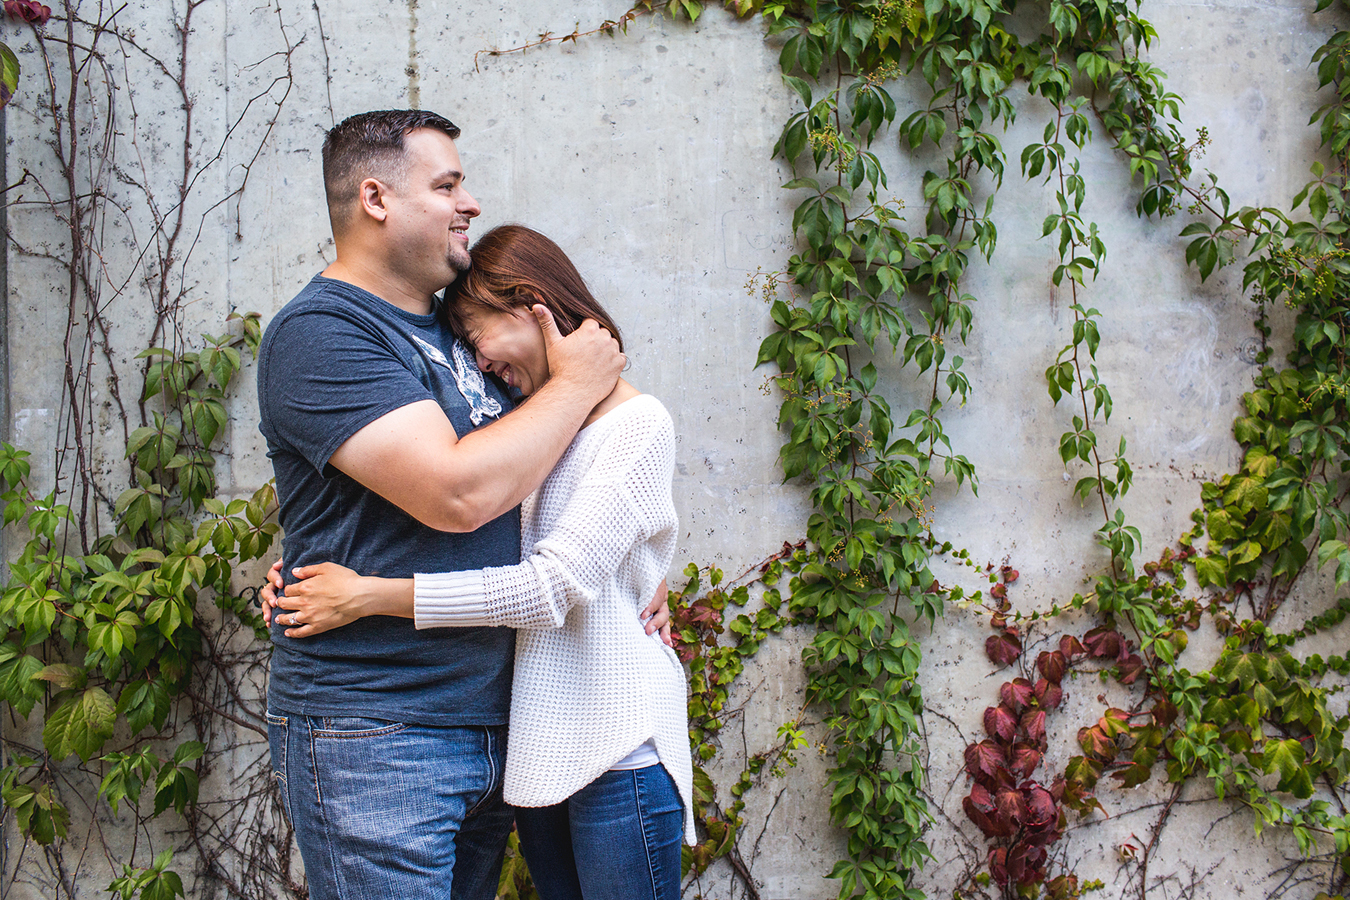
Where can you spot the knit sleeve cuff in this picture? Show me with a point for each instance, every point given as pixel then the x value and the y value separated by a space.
pixel 449 599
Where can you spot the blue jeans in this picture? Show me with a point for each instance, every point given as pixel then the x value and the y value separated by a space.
pixel 383 809
pixel 618 838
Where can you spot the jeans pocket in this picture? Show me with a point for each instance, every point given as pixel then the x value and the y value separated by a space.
pixel 276 740
pixel 355 727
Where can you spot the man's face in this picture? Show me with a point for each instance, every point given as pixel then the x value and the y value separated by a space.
pixel 429 213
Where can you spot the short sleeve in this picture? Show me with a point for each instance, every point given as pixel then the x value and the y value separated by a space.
pixel 327 376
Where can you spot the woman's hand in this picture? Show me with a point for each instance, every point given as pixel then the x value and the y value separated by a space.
pixel 657 614
pixel 325 597
pixel 267 597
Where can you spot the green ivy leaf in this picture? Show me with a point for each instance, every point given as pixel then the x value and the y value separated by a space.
pixel 80 724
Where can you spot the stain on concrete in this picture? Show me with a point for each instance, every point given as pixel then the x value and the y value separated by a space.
pixel 412 70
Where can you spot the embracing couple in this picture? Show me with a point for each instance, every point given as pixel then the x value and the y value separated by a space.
pixel 439 542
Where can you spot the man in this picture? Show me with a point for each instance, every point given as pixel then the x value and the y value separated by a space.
pixel 392 456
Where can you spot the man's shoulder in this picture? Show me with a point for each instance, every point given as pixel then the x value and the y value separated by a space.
pixel 323 298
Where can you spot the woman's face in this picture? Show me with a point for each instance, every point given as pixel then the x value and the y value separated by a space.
pixel 510 345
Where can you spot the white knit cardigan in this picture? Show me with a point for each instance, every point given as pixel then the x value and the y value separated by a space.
pixel 590 685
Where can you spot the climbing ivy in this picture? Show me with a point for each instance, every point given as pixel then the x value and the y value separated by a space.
pixel 865 570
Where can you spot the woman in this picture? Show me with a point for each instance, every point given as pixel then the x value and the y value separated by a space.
pixel 598 759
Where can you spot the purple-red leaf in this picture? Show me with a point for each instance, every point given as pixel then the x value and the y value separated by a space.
pixel 987 763
pixel 1011 805
pixel 1048 696
pixel 1000 722
pixel 1131 667
pixel 1016 694
pixel 1003 649
pixel 1164 713
pixel 1025 759
pixel 1070 647
pixel 1052 666
pixel 1033 723
pixel 981 798
pixel 998 865
pixel 1041 807
pixel 1104 643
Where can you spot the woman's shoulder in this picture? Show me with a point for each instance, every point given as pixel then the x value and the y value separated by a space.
pixel 643 409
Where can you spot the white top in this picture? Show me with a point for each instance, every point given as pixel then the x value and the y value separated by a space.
pixel 590 684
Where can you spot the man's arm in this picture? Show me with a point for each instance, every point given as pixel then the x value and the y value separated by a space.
pixel 413 458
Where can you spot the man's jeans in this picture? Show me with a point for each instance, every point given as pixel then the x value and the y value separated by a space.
pixel 618 838
pixel 383 809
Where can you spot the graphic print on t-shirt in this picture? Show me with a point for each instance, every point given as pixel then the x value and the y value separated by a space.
pixel 468 379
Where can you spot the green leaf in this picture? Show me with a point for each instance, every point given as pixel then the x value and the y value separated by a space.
pixel 81 724
pixel 9 74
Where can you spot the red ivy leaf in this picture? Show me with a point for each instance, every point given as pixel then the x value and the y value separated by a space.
pixel 1025 758
pixel 1070 647
pixel 985 822
pixel 1016 694
pixel 1052 666
pixel 987 763
pixel 1048 695
pixel 1033 723
pixel 1104 643
pixel 981 809
pixel 1130 669
pixel 1164 713
pixel 1017 863
pixel 1041 807
pixel 1000 722
pixel 1011 806
pixel 1003 649
pixel 1009 574
pixel 981 798
pixel 998 865
pixel 998 591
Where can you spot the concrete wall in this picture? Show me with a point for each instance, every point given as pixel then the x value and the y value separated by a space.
pixel 647 156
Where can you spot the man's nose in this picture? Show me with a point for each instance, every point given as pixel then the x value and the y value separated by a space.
pixel 484 364
pixel 467 204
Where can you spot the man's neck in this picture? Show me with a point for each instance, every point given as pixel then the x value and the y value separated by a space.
pixel 383 284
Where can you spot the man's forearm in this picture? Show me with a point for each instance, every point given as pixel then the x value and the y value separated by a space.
pixel 501 464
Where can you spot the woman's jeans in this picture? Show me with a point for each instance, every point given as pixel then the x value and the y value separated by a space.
pixel 383 809
pixel 618 838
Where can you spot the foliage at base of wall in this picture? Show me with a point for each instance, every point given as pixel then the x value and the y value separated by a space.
pixel 129 664
pixel 864 573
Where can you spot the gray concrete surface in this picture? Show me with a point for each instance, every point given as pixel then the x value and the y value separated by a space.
pixel 647 156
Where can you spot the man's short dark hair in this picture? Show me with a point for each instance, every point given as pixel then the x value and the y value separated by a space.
pixel 370 145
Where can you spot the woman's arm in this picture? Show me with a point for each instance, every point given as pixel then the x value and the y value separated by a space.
pixel 619 509
pixel 328 596
pixel 621 503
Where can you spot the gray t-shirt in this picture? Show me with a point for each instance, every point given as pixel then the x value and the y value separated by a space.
pixel 335 359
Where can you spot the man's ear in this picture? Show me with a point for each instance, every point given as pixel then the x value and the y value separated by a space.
pixel 373 194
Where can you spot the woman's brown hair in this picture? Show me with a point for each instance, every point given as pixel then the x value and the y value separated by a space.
pixel 513 267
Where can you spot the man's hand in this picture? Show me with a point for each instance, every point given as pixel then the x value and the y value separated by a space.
pixel 657 614
pixel 588 358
